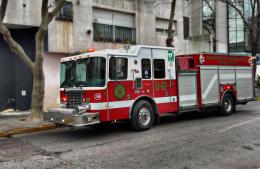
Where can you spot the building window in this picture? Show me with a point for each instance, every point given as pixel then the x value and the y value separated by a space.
pixel 164 31
pixel 110 33
pixel 103 32
pixel 66 12
pixel 113 26
pixel 162 26
pixel 236 30
pixel 124 35
pixel 209 16
pixel 146 68
pixel 186 27
pixel 118 68
pixel 159 68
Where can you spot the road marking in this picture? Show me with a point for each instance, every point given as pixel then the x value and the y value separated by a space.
pixel 238 125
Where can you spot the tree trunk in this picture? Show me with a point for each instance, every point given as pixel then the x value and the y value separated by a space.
pixel 254 42
pixel 38 91
pixel 38 79
pixel 169 40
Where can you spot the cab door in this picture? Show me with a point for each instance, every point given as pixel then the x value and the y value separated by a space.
pixel 118 88
pixel 162 81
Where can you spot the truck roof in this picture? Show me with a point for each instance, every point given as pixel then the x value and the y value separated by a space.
pixel 132 51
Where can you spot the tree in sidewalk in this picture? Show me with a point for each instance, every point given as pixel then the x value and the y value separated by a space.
pixel 36 67
pixel 251 20
pixel 209 20
pixel 169 40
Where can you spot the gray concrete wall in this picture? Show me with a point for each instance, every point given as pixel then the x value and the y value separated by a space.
pixel 116 4
pixel 146 22
pixel 52 80
pixel 81 40
pixel 23 12
pixel 221 27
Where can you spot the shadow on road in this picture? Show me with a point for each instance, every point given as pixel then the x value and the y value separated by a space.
pixel 123 127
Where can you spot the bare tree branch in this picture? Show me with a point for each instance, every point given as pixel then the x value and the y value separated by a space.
pixel 44 7
pixel 3 10
pixel 210 7
pixel 56 9
pixel 44 20
pixel 15 47
pixel 232 4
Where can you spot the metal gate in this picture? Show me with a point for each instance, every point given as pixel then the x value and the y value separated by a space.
pixel 15 77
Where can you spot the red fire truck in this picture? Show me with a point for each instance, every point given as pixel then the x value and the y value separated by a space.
pixel 141 83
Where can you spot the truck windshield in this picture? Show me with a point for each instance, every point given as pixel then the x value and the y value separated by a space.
pixel 88 72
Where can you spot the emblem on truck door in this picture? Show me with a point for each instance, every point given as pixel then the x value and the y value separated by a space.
pixel 97 96
pixel 119 91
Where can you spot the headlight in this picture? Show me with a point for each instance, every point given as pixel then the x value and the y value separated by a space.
pixel 63 104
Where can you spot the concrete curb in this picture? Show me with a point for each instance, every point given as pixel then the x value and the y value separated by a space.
pixel 14 113
pixel 27 130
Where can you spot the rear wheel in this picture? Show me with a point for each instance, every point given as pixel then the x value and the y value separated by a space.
pixel 142 117
pixel 227 105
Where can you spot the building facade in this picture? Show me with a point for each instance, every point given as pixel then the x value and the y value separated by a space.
pixel 100 24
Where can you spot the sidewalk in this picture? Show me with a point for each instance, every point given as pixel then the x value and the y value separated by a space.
pixel 13 122
pixel 257 91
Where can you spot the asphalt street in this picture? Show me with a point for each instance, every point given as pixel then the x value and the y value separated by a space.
pixel 188 141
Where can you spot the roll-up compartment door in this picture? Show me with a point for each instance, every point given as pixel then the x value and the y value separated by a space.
pixel 227 75
pixel 209 85
pixel 244 79
pixel 187 90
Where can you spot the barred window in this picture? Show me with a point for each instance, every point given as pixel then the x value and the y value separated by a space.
pixel 66 12
pixel 124 35
pixel 110 33
pixel 103 32
pixel 164 31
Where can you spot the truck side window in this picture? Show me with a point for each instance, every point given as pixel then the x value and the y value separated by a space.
pixel 118 68
pixel 159 68
pixel 146 68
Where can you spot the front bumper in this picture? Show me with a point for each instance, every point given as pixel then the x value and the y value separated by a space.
pixel 67 117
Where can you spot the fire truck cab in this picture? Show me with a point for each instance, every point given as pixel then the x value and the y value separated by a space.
pixel 140 83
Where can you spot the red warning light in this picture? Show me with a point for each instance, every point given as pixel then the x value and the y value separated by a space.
pixel 91 50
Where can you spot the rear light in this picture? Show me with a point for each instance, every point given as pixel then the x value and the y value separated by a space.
pixel 227 87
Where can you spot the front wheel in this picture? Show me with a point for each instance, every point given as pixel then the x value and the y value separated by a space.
pixel 142 117
pixel 227 105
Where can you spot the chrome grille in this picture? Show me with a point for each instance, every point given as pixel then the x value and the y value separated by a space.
pixel 74 98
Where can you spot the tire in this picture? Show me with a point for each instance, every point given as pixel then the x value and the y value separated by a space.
pixel 142 117
pixel 227 105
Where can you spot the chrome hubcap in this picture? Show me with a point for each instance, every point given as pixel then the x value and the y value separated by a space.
pixel 228 105
pixel 144 116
